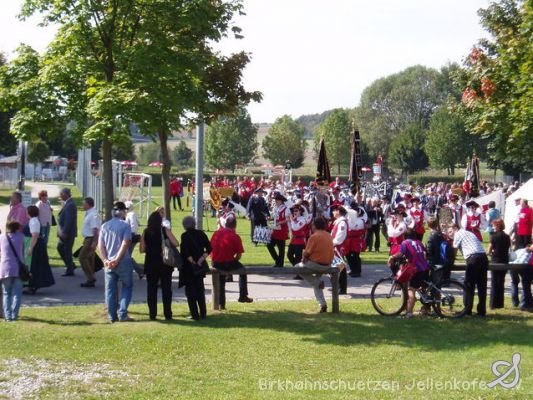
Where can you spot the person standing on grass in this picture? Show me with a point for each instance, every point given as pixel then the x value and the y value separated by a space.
pixel 133 221
pixel 17 211
pixel 522 231
pixel 67 230
pixel 157 273
pixel 113 244
pixel 299 227
pixel 41 273
pixel 90 230
pixel 500 242
pixel 339 235
pixel 477 265
pixel 317 257
pixel 280 233
pixel 226 251
pixel 45 215
pixel 492 214
pixel 195 248
pixel 356 238
pixel 10 282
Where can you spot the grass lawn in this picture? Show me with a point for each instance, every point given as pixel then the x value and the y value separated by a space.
pixel 244 353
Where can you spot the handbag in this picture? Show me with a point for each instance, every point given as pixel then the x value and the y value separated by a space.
pixel 262 234
pixel 171 255
pixel 338 262
pixel 54 222
pixel 24 272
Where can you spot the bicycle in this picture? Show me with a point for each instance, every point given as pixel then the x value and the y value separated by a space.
pixel 447 297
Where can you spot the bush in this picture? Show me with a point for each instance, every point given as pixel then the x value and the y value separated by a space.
pixel 423 180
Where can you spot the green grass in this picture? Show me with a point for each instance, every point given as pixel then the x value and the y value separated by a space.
pixel 227 355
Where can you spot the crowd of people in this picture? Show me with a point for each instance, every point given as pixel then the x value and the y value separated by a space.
pixel 319 223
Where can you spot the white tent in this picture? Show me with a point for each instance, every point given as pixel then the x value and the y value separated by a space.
pixel 511 210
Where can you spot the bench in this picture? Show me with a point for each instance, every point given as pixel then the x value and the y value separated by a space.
pixel 496 267
pixel 332 272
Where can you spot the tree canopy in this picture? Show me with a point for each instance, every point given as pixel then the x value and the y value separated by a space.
pixel 285 142
pixel 231 140
pixel 496 84
pixel 336 132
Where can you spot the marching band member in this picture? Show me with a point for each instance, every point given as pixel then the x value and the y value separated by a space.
pixel 280 232
pixel 225 213
pixel 396 229
pixel 356 238
pixel 257 210
pixel 339 234
pixel 473 220
pixel 456 208
pixel 299 227
pixel 417 218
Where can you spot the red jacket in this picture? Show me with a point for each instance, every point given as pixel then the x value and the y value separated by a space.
pixel 225 243
pixel 525 222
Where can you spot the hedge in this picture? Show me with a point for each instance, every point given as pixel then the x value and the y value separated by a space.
pixel 422 180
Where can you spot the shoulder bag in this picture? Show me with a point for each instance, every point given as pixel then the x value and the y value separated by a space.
pixel 171 255
pixel 24 272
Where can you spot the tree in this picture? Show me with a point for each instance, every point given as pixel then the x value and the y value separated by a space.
pixel 285 142
pixel 406 151
pixel 336 132
pixel 38 151
pixel 98 64
pixel 181 154
pixel 148 153
pixel 496 85
pixel 448 143
pixel 389 105
pixel 231 141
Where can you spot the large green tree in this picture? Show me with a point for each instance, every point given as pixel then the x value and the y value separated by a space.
pixel 145 61
pixel 406 152
pixel 448 142
pixel 336 132
pixel 496 84
pixel 231 141
pixel 391 104
pixel 285 142
pixel 181 154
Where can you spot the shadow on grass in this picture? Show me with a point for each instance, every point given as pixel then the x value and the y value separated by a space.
pixel 348 328
pixel 57 322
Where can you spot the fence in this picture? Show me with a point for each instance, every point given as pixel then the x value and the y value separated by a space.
pixel 8 178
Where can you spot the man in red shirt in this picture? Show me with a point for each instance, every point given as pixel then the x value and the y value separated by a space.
pixel 524 225
pixel 226 252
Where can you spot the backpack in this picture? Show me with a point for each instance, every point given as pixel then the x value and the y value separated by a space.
pixel 446 254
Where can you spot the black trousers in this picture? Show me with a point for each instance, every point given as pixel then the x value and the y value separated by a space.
pixel 279 256
pixel 343 281
pixel 64 248
pixel 154 277
pixel 295 252
pixel 178 198
pixel 354 262
pixel 243 280
pixel 195 292
pixel 497 289
pixel 372 237
pixel 476 277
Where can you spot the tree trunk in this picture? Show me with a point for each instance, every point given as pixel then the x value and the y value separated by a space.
pixel 452 169
pixel 109 197
pixel 165 170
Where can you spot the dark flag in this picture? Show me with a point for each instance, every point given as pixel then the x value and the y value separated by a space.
pixel 322 169
pixel 356 172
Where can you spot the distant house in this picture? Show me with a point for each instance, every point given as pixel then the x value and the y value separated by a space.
pixel 9 162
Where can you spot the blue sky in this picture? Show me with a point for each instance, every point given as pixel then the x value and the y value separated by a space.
pixel 312 55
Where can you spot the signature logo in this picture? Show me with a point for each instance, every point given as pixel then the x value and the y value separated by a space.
pixel 501 376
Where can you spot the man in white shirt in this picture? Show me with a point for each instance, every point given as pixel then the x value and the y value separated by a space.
pixel 89 231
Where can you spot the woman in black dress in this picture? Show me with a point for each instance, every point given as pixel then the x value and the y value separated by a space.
pixel 157 273
pixel 195 247
pixel 500 242
pixel 41 273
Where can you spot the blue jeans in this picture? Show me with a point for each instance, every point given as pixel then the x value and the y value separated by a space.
pixel 527 299
pixel 12 294
pixel 123 273
pixel 45 233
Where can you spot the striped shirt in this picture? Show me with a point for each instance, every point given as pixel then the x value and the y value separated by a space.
pixel 468 243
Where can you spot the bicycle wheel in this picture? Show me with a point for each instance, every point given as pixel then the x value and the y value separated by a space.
pixel 388 297
pixel 450 298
